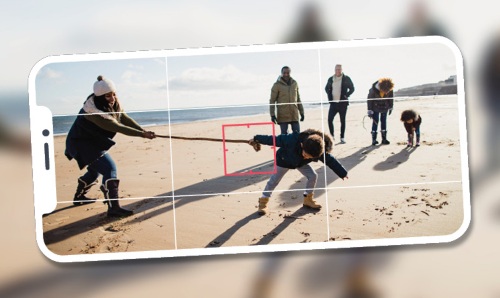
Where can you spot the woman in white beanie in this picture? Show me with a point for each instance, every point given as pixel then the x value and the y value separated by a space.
pixel 91 136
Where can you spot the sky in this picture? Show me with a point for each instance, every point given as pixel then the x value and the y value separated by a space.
pixel 43 29
pixel 64 86
pixel 238 78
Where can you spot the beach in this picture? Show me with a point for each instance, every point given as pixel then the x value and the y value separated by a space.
pixel 200 194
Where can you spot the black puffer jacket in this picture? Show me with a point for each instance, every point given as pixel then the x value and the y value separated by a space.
pixel 289 154
pixel 86 141
pixel 380 105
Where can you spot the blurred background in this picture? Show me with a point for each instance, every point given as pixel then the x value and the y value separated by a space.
pixel 32 30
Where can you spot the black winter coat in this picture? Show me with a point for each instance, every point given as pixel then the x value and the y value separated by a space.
pixel 380 105
pixel 86 141
pixel 347 88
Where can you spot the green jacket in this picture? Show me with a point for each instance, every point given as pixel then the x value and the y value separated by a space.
pixel 286 99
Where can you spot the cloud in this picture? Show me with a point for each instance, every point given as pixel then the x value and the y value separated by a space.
pixel 130 76
pixel 49 73
pixel 205 78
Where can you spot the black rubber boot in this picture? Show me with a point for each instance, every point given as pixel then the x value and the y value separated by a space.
pixel 110 190
pixel 81 190
pixel 374 138
pixel 384 137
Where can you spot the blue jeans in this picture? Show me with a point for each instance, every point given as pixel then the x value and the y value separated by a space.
pixel 382 117
pixel 104 166
pixel 284 127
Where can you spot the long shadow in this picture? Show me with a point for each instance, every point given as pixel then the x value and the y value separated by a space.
pixel 287 221
pixel 75 228
pixel 192 193
pixel 223 184
pixel 349 162
pixel 64 208
pixel 395 160
pixel 227 234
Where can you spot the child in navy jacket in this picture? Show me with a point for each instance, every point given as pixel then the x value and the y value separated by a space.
pixel 296 151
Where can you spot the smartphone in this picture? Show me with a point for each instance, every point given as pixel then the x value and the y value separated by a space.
pixel 248 149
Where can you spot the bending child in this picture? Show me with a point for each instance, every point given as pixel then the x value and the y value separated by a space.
pixel 412 121
pixel 296 151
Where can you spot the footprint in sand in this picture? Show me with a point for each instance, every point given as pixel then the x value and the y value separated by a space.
pixel 339 238
pixel 111 229
pixel 337 212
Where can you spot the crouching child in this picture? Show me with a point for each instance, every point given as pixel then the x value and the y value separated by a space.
pixel 296 151
pixel 412 121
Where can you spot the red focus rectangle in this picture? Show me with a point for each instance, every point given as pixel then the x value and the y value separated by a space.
pixel 237 159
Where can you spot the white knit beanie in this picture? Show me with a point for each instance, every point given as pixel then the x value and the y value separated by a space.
pixel 103 86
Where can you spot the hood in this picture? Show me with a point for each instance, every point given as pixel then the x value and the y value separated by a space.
pixel 90 108
pixel 281 81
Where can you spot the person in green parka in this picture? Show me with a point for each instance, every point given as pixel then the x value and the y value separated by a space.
pixel 285 105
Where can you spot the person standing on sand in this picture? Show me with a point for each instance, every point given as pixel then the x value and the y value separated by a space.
pixel 91 136
pixel 338 88
pixel 380 102
pixel 296 152
pixel 285 98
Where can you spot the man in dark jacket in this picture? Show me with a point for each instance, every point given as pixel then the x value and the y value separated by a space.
pixel 296 152
pixel 380 102
pixel 338 88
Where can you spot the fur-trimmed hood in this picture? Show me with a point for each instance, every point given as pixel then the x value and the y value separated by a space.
pixel 90 108
pixel 282 81
pixel 384 81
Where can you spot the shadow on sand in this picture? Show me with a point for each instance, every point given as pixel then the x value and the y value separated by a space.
pixel 222 184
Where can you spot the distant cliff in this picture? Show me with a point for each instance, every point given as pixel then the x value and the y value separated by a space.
pixel 448 86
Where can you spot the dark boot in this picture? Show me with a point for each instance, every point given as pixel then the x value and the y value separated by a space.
pixel 384 137
pixel 110 190
pixel 81 190
pixel 374 138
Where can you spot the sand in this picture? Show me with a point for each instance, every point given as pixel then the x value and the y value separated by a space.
pixel 182 198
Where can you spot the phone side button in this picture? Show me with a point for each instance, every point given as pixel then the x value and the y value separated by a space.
pixel 47 161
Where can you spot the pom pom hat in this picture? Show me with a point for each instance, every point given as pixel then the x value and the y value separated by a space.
pixel 103 86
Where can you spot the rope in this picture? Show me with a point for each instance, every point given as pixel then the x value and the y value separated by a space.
pixel 255 144
pixel 373 121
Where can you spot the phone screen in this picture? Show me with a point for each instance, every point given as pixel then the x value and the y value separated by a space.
pixel 249 149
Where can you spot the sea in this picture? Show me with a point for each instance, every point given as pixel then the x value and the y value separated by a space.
pixel 62 124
